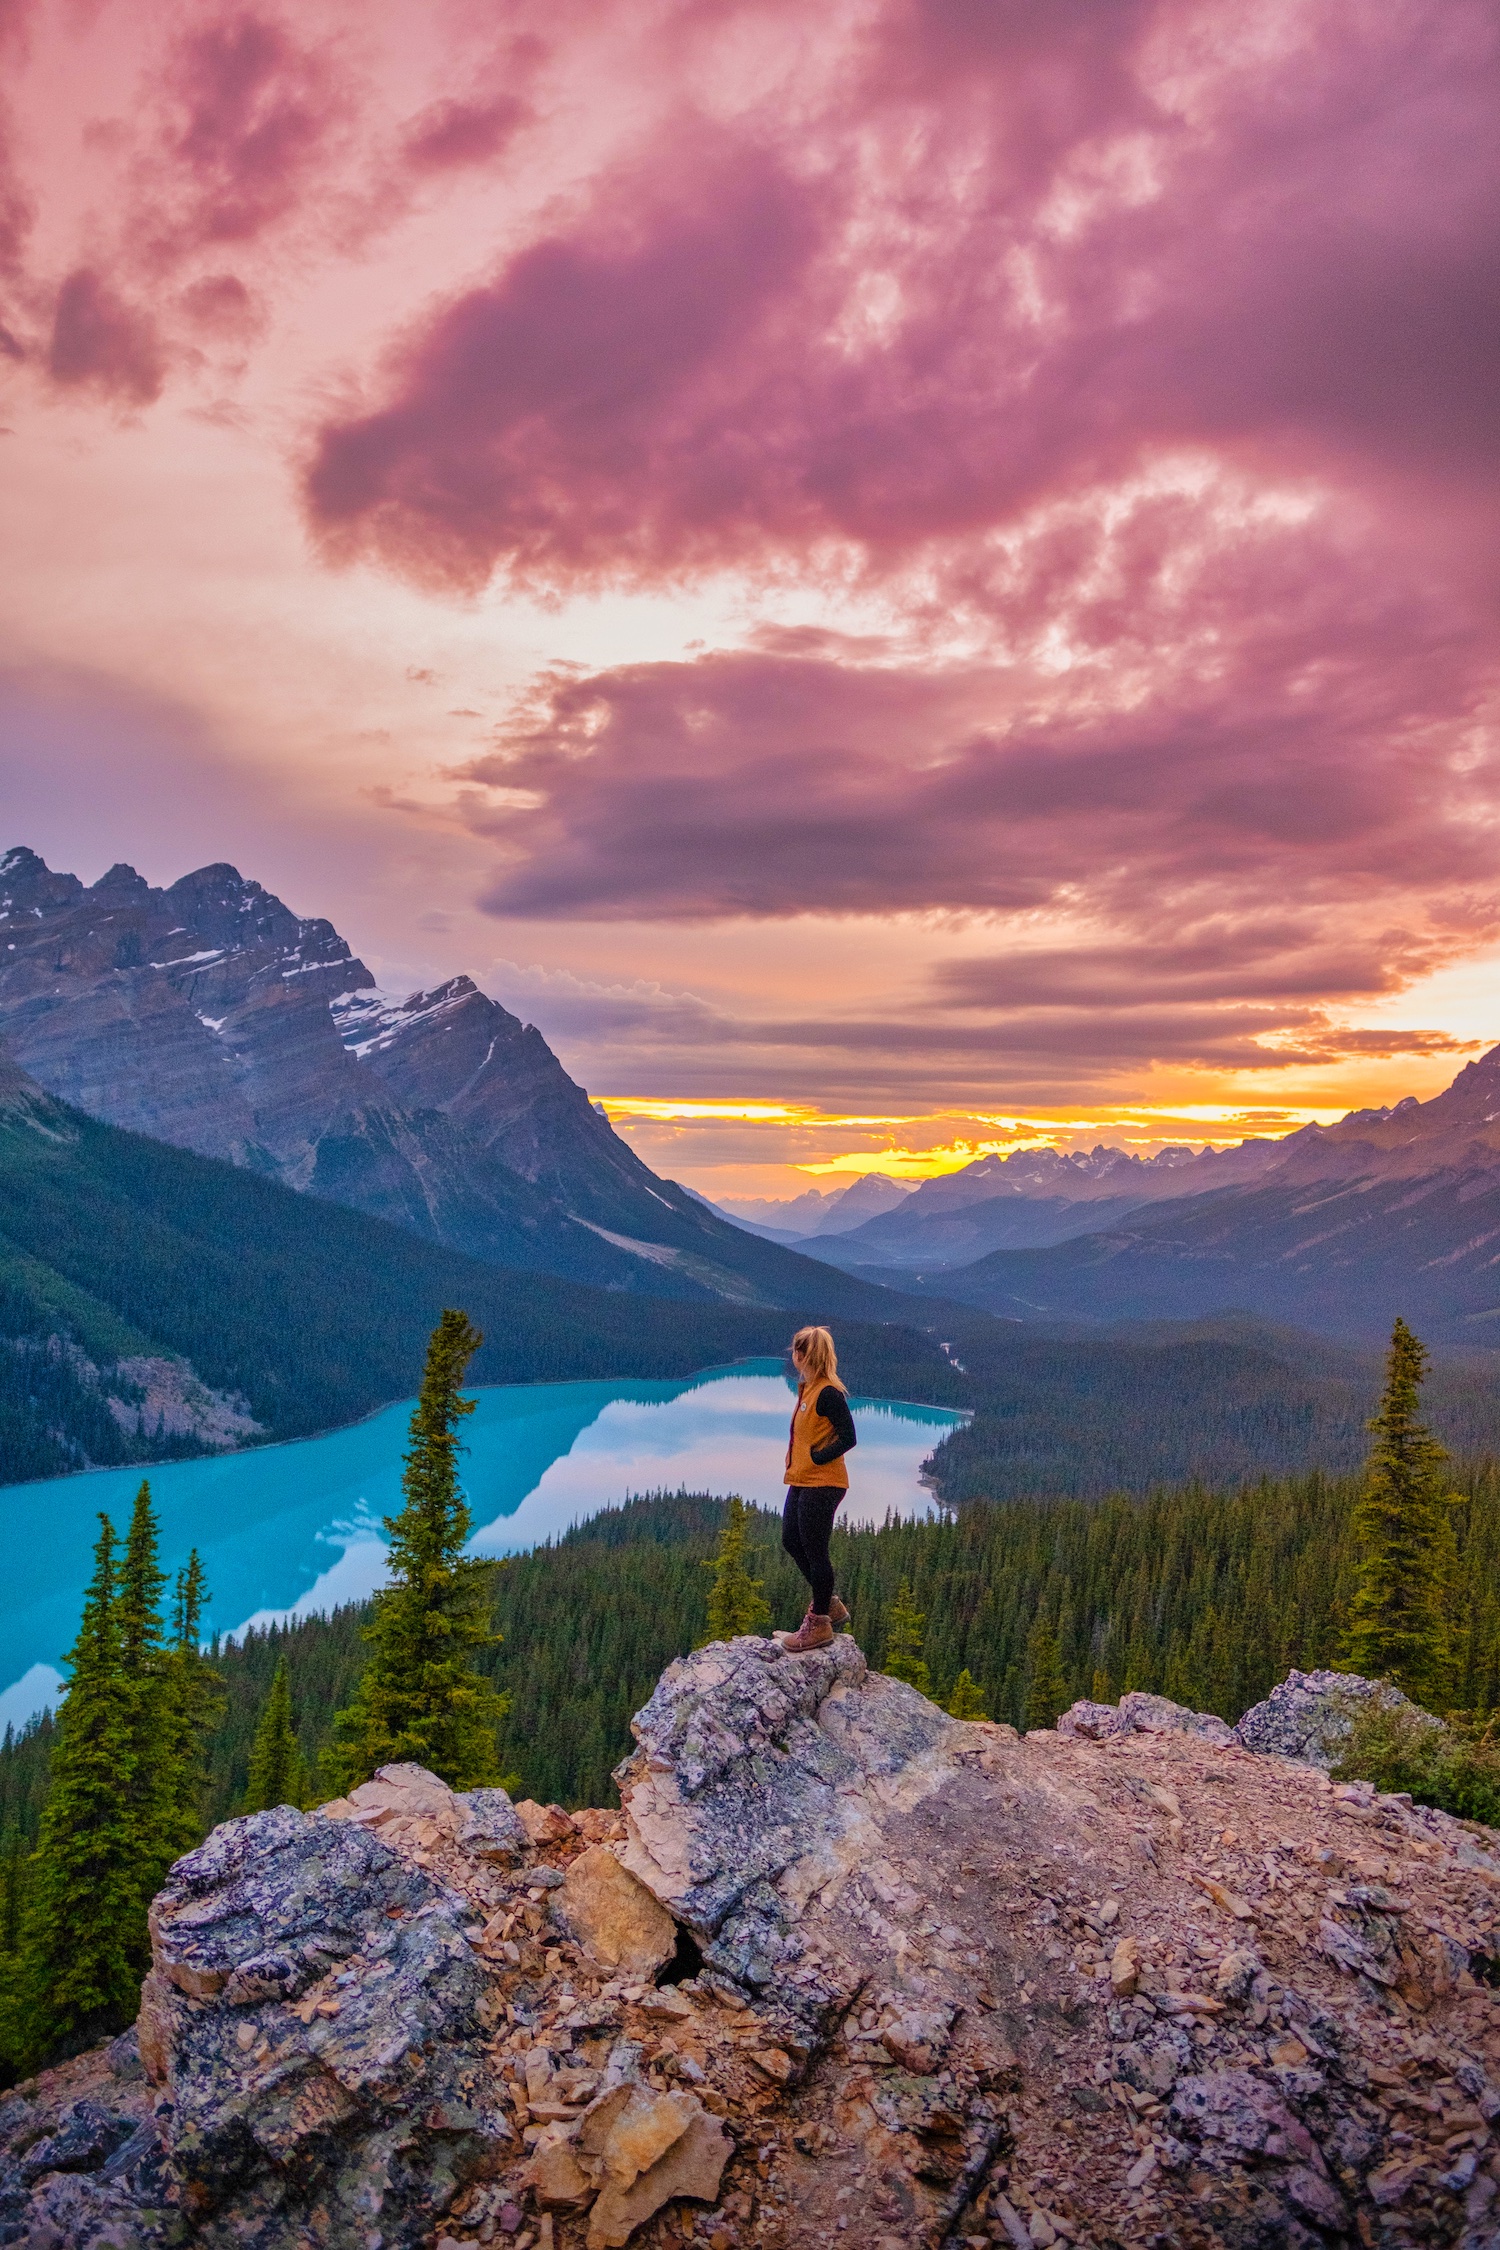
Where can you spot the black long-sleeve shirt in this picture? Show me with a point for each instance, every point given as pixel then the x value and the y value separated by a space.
pixel 834 1408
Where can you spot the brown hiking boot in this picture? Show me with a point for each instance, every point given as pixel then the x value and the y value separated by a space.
pixel 837 1614
pixel 813 1632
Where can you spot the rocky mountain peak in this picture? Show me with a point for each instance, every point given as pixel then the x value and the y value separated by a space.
pixel 211 1015
pixel 28 885
pixel 840 1957
pixel 119 885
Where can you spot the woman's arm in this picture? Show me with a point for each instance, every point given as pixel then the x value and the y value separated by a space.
pixel 834 1408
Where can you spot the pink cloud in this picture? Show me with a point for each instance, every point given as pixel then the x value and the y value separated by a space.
pixel 539 410
pixel 220 305
pixel 102 341
pixel 1007 255
pixel 251 110
pixel 1290 720
pixel 453 133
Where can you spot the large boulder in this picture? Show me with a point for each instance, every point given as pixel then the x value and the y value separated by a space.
pixel 314 2018
pixel 1308 1717
pixel 613 1916
pixel 1140 1713
pixel 759 1779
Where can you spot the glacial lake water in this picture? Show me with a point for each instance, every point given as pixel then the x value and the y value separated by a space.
pixel 285 1530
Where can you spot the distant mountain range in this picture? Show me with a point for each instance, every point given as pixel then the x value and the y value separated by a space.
pixel 1034 1198
pixel 817 1212
pixel 210 1016
pixel 1336 1228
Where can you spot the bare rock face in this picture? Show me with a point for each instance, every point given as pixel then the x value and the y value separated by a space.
pixel 759 1779
pixel 613 1916
pixel 209 1015
pixel 315 2017
pixel 957 1988
pixel 1308 1716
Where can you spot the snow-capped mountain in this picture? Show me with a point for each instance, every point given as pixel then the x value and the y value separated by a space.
pixel 209 1015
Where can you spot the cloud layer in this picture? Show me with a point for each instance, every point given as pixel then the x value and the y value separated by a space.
pixel 1075 424
pixel 989 256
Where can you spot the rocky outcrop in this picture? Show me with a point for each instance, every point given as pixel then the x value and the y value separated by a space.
pixel 1140 1713
pixel 929 1984
pixel 1310 1714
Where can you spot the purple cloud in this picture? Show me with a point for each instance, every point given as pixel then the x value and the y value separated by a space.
pixel 1007 255
pixel 102 341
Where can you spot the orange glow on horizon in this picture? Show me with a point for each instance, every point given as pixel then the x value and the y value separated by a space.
pixel 1138 1129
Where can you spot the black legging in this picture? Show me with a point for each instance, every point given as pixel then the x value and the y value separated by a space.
pixel 806 1523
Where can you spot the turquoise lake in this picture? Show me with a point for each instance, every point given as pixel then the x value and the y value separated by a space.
pixel 285 1530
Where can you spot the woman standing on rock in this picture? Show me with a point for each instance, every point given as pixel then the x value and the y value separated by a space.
pixel 816 1480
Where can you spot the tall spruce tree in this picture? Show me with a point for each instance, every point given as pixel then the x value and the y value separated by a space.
pixel 145 1776
pixel 1047 1692
pixel 195 1700
pixel 736 1601
pixel 78 1975
pixel 278 1770
pixel 419 1696
pixel 1399 1623
pixel 905 1640
pixel 967 1699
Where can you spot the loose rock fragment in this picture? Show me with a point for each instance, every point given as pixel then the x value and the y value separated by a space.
pixel 544 1824
pixel 613 1916
pixel 692 2166
pixel 1125 1968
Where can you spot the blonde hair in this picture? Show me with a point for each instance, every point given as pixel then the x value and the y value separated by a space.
pixel 820 1362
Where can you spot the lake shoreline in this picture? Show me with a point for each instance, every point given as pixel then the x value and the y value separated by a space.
pixel 297 1526
pixel 372 1414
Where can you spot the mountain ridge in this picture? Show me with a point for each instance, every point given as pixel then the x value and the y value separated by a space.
pixel 1385 1212
pixel 208 1015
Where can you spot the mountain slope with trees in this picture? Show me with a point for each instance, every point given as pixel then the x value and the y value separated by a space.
pixel 210 1016
pixel 114 1246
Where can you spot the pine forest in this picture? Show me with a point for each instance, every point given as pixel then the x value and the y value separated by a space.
pixel 529 1670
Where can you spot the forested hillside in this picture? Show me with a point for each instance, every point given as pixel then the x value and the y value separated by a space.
pixel 1208 1596
pixel 304 1312
pixel 1128 1408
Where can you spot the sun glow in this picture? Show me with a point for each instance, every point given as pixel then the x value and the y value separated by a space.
pixel 804 1141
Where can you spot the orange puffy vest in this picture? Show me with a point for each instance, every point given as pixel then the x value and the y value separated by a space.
pixel 810 1428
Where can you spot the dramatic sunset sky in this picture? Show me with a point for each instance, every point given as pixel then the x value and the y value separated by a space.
pixel 899 575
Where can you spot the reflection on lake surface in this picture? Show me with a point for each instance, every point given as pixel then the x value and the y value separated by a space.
pixel 288 1529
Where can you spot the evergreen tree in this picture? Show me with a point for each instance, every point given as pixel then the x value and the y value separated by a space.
pixel 736 1601
pixel 1140 1667
pixel 1103 1687
pixel 1405 1562
pixel 1047 1692
pixel 905 1637
pixel 194 1702
pixel 278 1770
pixel 967 1699
pixel 420 1696
pixel 77 1977
pixel 145 1776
